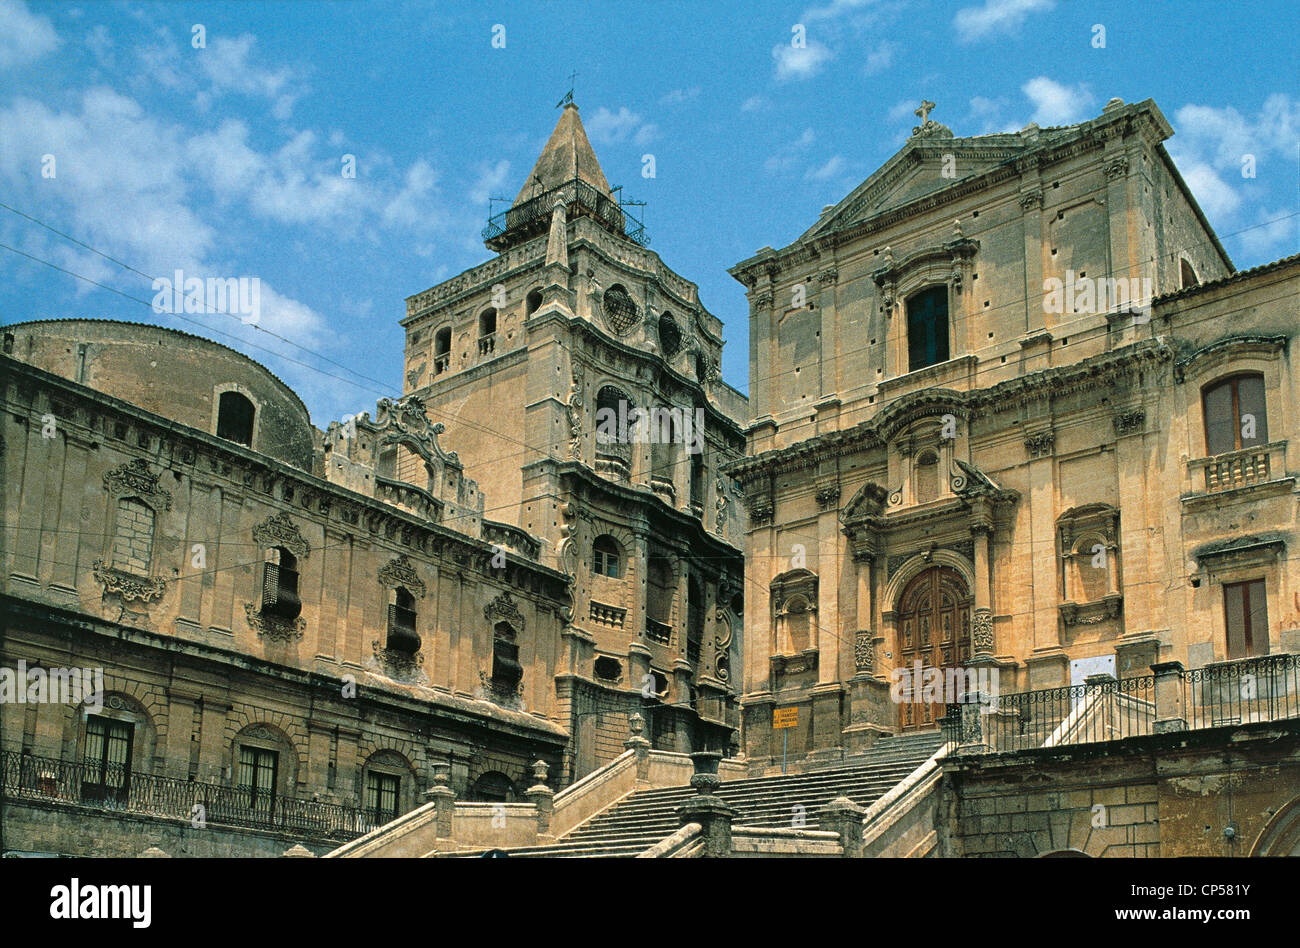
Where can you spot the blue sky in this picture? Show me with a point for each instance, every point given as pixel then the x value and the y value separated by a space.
pixel 226 160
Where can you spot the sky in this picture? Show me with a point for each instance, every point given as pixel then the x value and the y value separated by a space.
pixel 214 139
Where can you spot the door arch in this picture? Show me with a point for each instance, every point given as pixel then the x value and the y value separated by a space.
pixel 934 629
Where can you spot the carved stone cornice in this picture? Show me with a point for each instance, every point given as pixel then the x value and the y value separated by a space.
pixel 1091 613
pixel 280 530
pixel 1241 343
pixel 134 478
pixel 127 586
pixel 399 571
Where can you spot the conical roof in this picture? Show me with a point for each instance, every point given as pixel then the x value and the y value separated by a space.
pixel 567 155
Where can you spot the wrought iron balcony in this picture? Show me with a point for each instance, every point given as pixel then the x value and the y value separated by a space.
pixel 402 636
pixel 533 217
pixel 45 780
pixel 280 592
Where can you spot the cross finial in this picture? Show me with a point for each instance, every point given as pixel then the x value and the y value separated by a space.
pixel 923 113
pixel 568 96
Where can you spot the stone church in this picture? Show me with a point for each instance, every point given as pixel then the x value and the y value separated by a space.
pixel 1013 415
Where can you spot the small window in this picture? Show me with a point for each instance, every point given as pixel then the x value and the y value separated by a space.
pixel 1235 414
pixel 606 557
pixel 487 332
pixel 257 772
pixel 533 302
pixel 620 311
pixel 235 418
pixel 492 787
pixel 133 537
pixel 1188 274
pixel 381 797
pixel 442 350
pixel 280 585
pixel 107 760
pixel 608 669
pixel 670 337
pixel 927 328
pixel 697 479
pixel 1246 618
pixel 507 673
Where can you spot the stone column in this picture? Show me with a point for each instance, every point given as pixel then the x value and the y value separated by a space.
pixel 982 645
pixel 1171 714
pixel 710 812
pixel 542 797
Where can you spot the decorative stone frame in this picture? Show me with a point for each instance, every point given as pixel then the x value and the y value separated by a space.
pixel 131 481
pixel 1242 560
pixel 1234 355
pixel 907 447
pixel 911 568
pixel 119 706
pixel 795 586
pixel 223 387
pixel 1079 531
pixel 395 764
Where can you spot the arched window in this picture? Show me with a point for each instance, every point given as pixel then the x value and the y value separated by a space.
pixel 235 418
pixel 927 328
pixel 280 584
pixel 798 625
pixel 402 636
pixel 487 331
pixel 1235 415
pixel 1187 274
pixel 133 537
pixel 533 302
pixel 606 557
pixel 613 440
pixel 927 477
pixel 620 311
pixel 492 787
pixel 670 337
pixel 441 350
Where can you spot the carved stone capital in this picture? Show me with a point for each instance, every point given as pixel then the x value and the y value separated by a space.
pixel 1031 200
pixel 1117 167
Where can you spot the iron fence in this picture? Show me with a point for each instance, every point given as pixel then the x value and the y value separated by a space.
pixel 1266 688
pixel 114 788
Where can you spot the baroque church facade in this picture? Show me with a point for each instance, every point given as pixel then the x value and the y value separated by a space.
pixel 568 529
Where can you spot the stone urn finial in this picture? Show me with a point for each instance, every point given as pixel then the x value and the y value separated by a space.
pixel 441 773
pixel 635 724
pixel 705 779
pixel 540 770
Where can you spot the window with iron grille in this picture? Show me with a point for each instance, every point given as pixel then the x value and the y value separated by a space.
pixel 381 797
pixel 1246 618
pixel 402 636
pixel 107 759
pixel 280 585
pixel 507 673
pixel 257 771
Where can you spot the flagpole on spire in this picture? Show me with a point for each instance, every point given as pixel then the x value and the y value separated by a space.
pixel 568 96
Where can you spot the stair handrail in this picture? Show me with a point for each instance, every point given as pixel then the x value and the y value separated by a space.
pixel 670 845
pixel 929 768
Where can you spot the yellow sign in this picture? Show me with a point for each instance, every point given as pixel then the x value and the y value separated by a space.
pixel 785 717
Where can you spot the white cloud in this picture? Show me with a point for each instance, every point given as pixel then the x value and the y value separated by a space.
pixel 996 16
pixel 1216 197
pixel 800 62
pixel 880 58
pixel 678 96
pixel 790 155
pixel 491 179
pixel 753 103
pixel 227 65
pixel 1271 232
pixel 24 36
pixel 901 109
pixel 1056 104
pixel 829 170
pixel 834 10
pixel 606 127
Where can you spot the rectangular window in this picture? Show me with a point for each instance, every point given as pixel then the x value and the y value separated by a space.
pixel 107 760
pixel 1246 618
pixel 257 769
pixel 381 798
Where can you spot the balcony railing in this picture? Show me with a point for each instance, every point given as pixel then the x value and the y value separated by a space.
pixel 487 344
pixel 45 780
pixel 1245 468
pixel 533 216
pixel 1266 688
pixel 658 631
pixel 1225 693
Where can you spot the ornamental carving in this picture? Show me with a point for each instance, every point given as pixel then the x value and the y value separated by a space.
pixel 401 572
pixel 1132 420
pixel 760 513
pixel 1031 200
pixel 981 632
pixel 269 627
pixel 1041 443
pixel 575 412
pixel 396 663
pixel 405 420
pixel 720 505
pixel 864 652
pixel 135 479
pixel 280 530
pixel 504 609
pixel 828 496
pixel 126 586
pixel 1117 167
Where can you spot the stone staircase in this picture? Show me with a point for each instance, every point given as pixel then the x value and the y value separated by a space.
pixel 640 820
